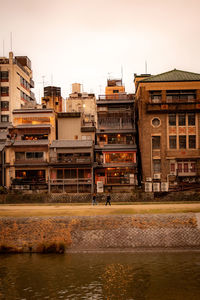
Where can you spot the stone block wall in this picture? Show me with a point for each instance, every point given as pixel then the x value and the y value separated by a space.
pixel 131 232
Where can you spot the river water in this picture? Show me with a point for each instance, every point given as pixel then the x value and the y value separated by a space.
pixel 139 276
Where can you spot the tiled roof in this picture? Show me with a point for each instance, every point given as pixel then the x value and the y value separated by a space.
pixel 71 144
pixel 31 143
pixel 173 75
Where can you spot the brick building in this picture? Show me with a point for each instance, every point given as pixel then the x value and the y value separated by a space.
pixel 168 110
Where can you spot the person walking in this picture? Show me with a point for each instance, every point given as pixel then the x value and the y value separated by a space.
pixel 94 202
pixel 108 198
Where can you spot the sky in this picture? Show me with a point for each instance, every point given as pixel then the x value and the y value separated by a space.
pixel 89 41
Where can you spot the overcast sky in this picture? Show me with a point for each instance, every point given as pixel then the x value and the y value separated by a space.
pixel 88 40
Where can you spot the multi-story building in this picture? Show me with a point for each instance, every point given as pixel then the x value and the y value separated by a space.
pixel 71 156
pixel 15 85
pixel 82 102
pixel 52 99
pixel 115 146
pixel 27 149
pixel 168 109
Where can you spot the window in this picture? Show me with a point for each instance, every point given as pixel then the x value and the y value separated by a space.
pixel 181 119
pixel 185 167
pixel 4 76
pixel 4 91
pixel 172 167
pixel 34 155
pixel 192 141
pixel 172 119
pixel 86 137
pixel 180 95
pixel 180 167
pixel 155 142
pixel 19 155
pixel 115 91
pixel 155 122
pixel 156 166
pixel 4 118
pixel 182 141
pixel 4 105
pixel 172 142
pixel 193 167
pixel 191 119
pixel 155 96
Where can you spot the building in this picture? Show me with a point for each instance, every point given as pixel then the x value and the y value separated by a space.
pixel 115 146
pixel 168 111
pixel 71 166
pixel 72 155
pixel 15 85
pixel 83 102
pixel 27 149
pixel 52 99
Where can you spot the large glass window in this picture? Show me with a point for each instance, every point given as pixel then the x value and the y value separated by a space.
pixel 172 142
pixel 172 119
pixel 181 119
pixel 182 141
pixel 192 141
pixel 34 155
pixel 191 119
pixel 119 157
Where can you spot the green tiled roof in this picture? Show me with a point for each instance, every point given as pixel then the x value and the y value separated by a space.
pixel 173 75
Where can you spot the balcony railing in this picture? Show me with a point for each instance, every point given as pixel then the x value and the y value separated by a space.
pixel 71 181
pixel 71 160
pixel 115 97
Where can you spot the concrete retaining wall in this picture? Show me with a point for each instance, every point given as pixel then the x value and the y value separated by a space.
pixel 61 234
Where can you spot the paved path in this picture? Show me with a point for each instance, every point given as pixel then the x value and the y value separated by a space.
pixel 87 210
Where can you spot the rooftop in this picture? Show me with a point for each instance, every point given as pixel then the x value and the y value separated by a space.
pixel 71 144
pixel 173 75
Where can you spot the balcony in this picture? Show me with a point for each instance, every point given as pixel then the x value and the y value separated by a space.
pixel 166 107
pixel 115 98
pixel 71 181
pixel 30 162
pixel 70 160
pixel 32 84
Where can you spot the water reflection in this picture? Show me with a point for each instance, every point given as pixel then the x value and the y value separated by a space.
pixel 106 276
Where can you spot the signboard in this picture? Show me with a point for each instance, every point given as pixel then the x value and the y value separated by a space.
pixel 99 186
pixel 132 181
pixel 148 187
pixel 164 186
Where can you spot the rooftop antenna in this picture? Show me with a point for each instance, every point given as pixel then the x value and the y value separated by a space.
pixel 3 48
pixel 11 41
pixel 145 67
pixel 122 73
pixel 109 75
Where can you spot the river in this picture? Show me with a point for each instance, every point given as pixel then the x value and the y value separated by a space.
pixel 124 276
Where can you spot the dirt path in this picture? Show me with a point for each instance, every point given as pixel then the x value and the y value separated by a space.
pixel 89 210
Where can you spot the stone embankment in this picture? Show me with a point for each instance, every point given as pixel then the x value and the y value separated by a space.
pixel 95 233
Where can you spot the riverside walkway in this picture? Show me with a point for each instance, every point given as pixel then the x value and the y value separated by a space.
pixel 26 210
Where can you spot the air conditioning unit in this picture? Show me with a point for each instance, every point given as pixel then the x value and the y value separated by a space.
pixel 156 176
pixel 164 186
pixel 149 179
pixel 148 187
pixel 156 186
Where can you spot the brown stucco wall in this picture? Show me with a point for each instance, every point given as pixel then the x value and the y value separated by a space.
pixel 45 234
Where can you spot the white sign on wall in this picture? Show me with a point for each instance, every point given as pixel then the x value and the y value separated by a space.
pixel 99 186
